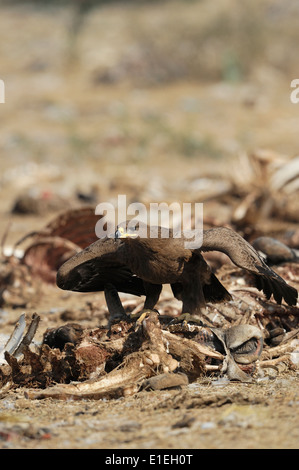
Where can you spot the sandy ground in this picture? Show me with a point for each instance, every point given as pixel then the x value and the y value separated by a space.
pixel 203 415
pixel 59 133
pixel 207 414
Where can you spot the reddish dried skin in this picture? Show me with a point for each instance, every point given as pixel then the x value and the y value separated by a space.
pixel 92 359
pixel 47 251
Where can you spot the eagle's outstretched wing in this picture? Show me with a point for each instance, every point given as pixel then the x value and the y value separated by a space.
pixel 246 257
pixel 96 266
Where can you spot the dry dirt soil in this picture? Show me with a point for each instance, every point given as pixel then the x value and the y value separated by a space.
pixel 68 124
pixel 200 416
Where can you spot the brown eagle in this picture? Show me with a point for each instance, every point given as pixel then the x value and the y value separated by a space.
pixel 136 263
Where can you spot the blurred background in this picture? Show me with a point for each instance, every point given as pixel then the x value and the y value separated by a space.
pixel 159 100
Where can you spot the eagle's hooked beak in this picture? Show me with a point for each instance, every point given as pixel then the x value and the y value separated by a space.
pixel 121 233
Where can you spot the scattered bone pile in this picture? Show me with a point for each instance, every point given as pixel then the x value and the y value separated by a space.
pixel 156 352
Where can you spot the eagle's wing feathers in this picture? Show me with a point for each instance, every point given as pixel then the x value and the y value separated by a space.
pixel 246 257
pixel 99 264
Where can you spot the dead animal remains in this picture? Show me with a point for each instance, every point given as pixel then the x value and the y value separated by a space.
pixel 41 254
pixel 123 359
pixel 154 352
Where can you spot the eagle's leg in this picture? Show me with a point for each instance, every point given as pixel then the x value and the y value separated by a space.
pixel 194 304
pixel 153 292
pixel 115 307
pixel 193 297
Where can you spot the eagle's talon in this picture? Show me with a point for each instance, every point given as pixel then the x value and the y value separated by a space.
pixel 140 316
pixel 186 318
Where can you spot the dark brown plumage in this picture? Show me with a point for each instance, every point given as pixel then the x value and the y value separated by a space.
pixel 137 264
pixel 96 266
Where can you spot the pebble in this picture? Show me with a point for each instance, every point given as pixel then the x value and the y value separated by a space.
pixel 130 426
pixel 221 382
pixel 208 425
